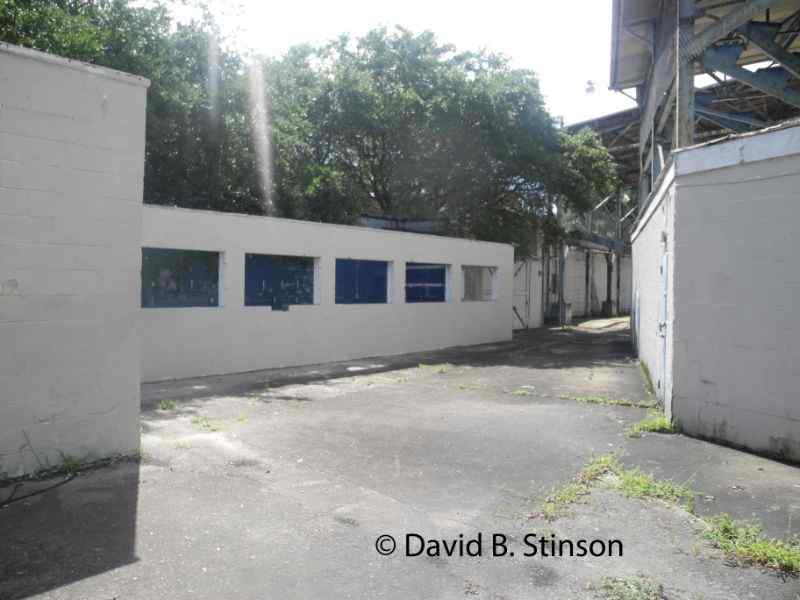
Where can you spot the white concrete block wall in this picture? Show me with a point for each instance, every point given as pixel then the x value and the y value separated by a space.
pixel 737 293
pixel 730 219
pixel 185 342
pixel 626 284
pixel 71 169
pixel 651 240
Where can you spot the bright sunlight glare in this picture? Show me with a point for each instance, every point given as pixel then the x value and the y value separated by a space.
pixel 566 43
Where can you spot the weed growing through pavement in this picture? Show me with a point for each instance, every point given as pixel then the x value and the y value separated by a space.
pixel 608 401
pixel 580 486
pixel 631 588
pixel 746 542
pixel 655 423
pixel 205 423
pixel 635 483
pixel 440 368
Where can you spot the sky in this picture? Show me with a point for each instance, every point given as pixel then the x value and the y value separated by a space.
pixel 566 43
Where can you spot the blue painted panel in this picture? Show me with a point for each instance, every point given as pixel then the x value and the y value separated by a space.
pixel 179 278
pixel 271 280
pixel 361 281
pixel 425 282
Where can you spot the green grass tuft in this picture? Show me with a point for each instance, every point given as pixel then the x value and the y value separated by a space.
pixel 631 588
pixel 205 423
pixel 580 486
pixel 635 483
pixel 468 386
pixel 648 380
pixel 747 543
pixel 70 465
pixel 441 368
pixel 167 405
pixel 655 423
pixel 522 392
pixel 599 466
pixel 608 401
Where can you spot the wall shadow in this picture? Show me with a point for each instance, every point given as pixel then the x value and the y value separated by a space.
pixel 67 530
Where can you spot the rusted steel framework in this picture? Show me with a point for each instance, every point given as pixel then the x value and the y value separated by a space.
pixel 658 48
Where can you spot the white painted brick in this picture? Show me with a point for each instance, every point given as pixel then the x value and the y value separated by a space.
pixel 32 151
pixel 14 201
pixel 736 289
pixel 71 164
pixel 68 230
pixel 183 342
pixel 86 308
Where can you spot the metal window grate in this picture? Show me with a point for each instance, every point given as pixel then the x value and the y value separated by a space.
pixel 174 278
pixel 426 282
pixel 278 281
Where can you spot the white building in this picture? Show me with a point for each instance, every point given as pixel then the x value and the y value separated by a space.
pixel 98 292
pixel 716 289
pixel 71 171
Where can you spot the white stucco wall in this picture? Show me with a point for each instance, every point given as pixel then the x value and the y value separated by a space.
pixel 71 168
pixel 737 290
pixel 651 239
pixel 184 342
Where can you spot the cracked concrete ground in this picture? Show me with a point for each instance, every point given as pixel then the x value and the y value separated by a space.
pixel 276 484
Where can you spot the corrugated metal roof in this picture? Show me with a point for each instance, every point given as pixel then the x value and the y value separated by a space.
pixel 632 34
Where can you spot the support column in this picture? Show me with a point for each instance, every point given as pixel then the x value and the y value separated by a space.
pixel 620 197
pixel 587 301
pixel 608 305
pixel 684 77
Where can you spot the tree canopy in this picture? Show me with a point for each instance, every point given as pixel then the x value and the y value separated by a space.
pixel 393 123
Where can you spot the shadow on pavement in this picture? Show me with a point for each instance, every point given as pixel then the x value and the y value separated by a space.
pixel 67 530
pixel 544 348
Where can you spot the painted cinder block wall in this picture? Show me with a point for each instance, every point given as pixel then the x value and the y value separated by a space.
pixel 625 284
pixel 651 239
pixel 188 342
pixel 735 290
pixel 71 170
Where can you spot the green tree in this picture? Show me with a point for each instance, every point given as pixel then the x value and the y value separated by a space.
pixel 398 124
pixel 393 123
pixel 199 151
pixel 63 27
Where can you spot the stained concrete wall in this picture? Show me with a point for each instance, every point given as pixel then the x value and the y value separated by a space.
pixel 625 285
pixel 184 342
pixel 728 215
pixel 737 290
pixel 71 169
pixel 651 240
